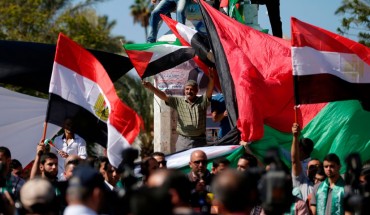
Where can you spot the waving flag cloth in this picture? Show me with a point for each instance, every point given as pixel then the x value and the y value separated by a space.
pixel 152 58
pixel 21 66
pixel 258 66
pixel 328 67
pixel 199 42
pixel 80 89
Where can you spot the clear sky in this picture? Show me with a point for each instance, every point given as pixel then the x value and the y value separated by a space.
pixel 316 12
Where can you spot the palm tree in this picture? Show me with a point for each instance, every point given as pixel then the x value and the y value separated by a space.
pixel 141 10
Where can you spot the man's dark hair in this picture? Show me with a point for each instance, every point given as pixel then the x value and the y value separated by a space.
pixel 307 145
pixel 6 151
pixel 178 181
pixel 216 162
pixel 48 155
pixel 103 160
pixel 332 158
pixel 15 164
pixel 252 160
pixel 161 154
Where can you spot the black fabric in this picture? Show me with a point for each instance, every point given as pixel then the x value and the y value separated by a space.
pixel 30 65
pixel 85 124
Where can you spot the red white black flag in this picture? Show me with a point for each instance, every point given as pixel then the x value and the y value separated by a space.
pixel 81 90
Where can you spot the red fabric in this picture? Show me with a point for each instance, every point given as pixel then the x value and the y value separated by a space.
pixel 79 60
pixel 261 69
pixel 224 3
pixel 304 34
pixel 140 60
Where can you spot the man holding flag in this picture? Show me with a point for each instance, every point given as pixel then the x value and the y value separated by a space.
pixel 192 109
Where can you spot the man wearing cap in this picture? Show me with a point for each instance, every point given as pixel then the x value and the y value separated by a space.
pixel 191 110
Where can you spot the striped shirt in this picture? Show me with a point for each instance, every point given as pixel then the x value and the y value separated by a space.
pixel 191 117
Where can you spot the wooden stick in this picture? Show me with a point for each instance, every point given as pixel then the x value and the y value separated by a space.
pixel 44 132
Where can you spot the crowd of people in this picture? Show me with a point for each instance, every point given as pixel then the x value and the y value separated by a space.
pixel 91 185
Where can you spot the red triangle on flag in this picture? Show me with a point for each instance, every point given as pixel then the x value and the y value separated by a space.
pixel 140 60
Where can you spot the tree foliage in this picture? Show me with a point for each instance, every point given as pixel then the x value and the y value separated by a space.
pixel 356 20
pixel 43 20
pixel 140 11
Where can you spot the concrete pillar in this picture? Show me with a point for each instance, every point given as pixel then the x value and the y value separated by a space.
pixel 165 119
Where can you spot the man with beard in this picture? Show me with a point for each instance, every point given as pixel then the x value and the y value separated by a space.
pixel 328 196
pixel 191 110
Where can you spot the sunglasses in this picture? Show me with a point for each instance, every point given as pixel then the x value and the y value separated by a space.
pixel 163 163
pixel 204 162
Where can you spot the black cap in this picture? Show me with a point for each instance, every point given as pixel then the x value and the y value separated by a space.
pixel 87 177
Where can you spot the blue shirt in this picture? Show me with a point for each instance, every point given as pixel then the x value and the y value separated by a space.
pixel 218 105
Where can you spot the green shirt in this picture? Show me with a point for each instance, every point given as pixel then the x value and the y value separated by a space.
pixel 191 117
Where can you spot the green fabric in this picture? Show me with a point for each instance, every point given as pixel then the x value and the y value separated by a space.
pixel 340 127
pixel 236 13
pixel 145 46
pixel 337 195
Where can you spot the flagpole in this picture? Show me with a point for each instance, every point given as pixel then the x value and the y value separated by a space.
pixel 44 131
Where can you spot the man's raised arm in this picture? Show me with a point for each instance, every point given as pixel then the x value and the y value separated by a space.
pixel 155 90
pixel 211 83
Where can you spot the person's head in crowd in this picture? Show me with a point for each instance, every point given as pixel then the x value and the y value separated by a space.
pixel 49 166
pixel 332 166
pixel 365 173
pixel 92 161
pixel 161 159
pixel 108 172
pixel 320 175
pixel 37 196
pixel 198 162
pixel 191 90
pixel 150 200
pixel 147 166
pixel 5 159
pixel 312 167
pixel 175 182
pixel 305 148
pixel 246 161
pixel 16 167
pixel 85 188
pixel 229 184
pixel 69 165
pixel 219 165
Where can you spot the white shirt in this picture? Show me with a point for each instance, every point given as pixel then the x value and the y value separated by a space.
pixel 75 146
pixel 78 210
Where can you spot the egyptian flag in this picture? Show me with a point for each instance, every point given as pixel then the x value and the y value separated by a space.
pixel 256 82
pixel 152 58
pixel 328 67
pixel 81 90
pixel 29 64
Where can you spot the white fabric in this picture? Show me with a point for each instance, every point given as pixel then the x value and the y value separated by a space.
pixel 349 67
pixel 78 210
pixel 77 146
pixel 182 159
pixel 77 89
pixel 21 124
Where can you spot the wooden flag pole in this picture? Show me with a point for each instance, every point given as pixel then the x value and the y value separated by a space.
pixel 44 131
pixel 296 107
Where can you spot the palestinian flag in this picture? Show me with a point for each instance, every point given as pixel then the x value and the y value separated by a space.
pixel 328 67
pixel 152 58
pixel 29 64
pixel 336 127
pixel 259 79
pixel 81 90
pixel 190 37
